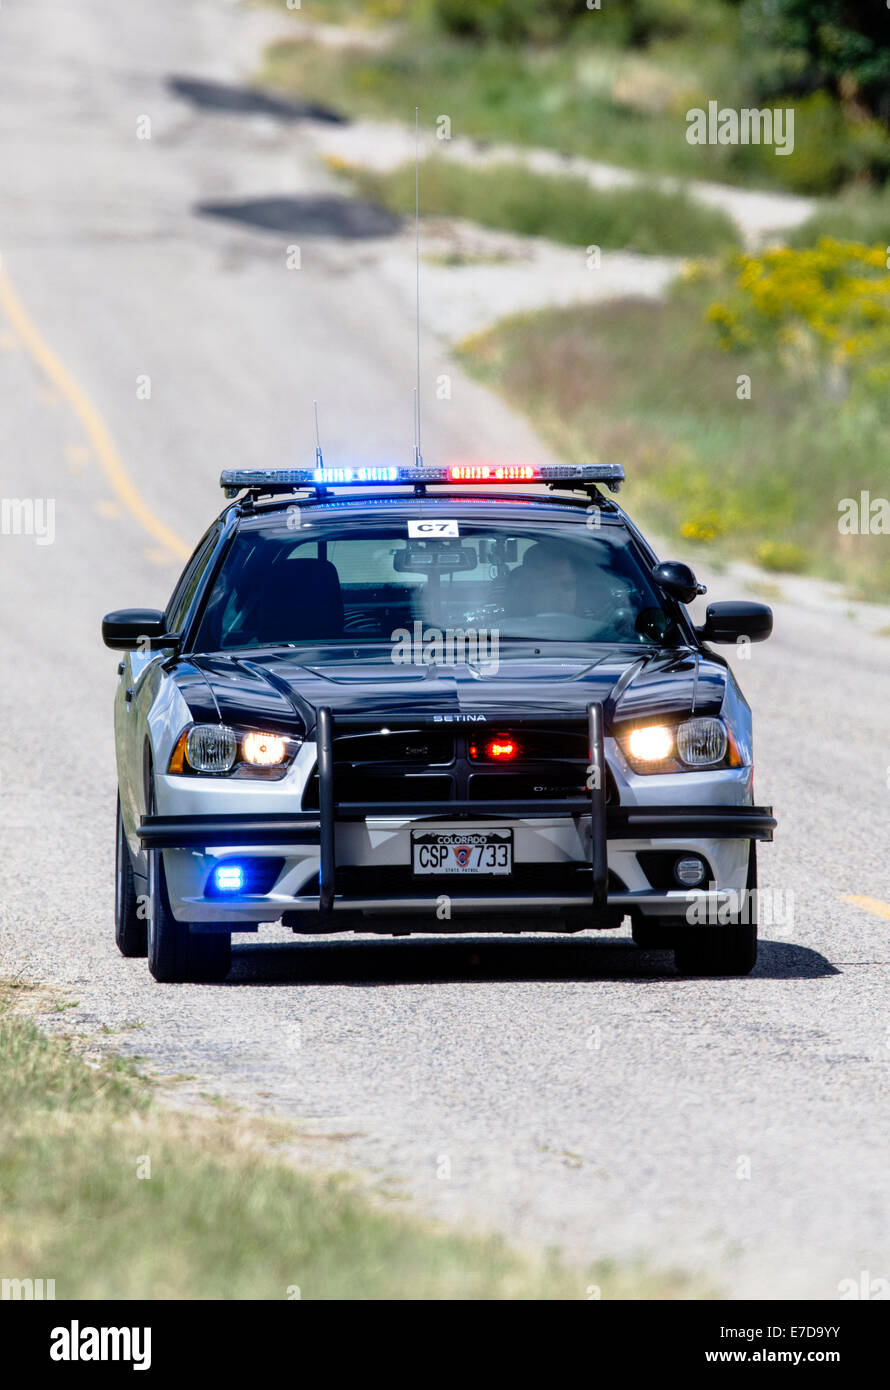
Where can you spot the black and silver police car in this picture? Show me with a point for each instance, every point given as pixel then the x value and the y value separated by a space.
pixel 432 700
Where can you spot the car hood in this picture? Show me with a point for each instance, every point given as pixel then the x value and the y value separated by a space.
pixel 281 690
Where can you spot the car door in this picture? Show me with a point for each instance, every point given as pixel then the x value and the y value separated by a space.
pixel 142 679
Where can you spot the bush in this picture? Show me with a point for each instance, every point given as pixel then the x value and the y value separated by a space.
pixel 854 216
pixel 512 21
pixel 636 22
pixel 784 557
pixel 836 44
pixel 824 311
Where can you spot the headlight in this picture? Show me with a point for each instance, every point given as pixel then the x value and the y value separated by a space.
pixel 216 748
pixel 263 750
pixel 701 742
pixel 211 747
pixel 651 744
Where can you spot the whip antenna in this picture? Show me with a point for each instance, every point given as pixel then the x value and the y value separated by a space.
pixel 418 458
pixel 318 458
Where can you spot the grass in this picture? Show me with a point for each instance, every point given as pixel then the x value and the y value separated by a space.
pixel 559 97
pixel 589 95
pixel 515 199
pixel 858 215
pixel 222 1215
pixel 644 384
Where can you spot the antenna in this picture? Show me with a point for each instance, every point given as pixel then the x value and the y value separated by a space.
pixel 418 458
pixel 319 461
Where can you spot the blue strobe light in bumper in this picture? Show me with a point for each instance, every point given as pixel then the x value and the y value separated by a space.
pixel 228 878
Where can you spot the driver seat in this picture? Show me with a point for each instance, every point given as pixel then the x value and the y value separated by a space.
pixel 302 602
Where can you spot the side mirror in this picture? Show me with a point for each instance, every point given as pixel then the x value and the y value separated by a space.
pixel 677 579
pixel 130 629
pixel 726 622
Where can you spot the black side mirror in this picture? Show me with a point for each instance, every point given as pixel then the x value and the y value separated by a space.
pixel 726 622
pixel 677 579
pixel 131 629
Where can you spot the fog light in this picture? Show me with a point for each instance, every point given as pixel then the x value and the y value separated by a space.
pixel 690 871
pixel 229 878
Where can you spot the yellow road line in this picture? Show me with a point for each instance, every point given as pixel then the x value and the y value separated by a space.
pixel 872 905
pixel 92 422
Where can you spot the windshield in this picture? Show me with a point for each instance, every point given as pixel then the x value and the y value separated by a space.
pixel 333 583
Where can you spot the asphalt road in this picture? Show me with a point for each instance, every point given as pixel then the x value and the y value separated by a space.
pixel 572 1093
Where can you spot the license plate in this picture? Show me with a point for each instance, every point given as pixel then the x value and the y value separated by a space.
pixel 475 852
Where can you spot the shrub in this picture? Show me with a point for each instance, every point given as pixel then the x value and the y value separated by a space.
pixel 513 21
pixel 824 310
pixel 782 556
pixel 839 44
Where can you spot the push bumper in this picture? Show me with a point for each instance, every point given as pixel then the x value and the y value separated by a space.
pixel 317 830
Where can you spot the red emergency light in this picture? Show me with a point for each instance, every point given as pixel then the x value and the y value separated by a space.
pixel 492 473
pixel 501 748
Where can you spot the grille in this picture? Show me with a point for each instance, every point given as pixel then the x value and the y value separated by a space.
pixel 407 764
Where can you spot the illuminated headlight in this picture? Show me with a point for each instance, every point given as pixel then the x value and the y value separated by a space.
pixel 263 750
pixel 211 747
pixel 701 742
pixel 652 744
pixel 240 752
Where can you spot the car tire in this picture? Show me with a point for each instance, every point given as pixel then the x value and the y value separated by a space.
pixel 130 929
pixel 654 934
pixel 210 956
pixel 176 954
pixel 722 950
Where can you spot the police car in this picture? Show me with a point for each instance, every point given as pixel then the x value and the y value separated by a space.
pixel 426 699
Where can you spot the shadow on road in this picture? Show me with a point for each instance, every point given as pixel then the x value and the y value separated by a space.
pixel 481 958
pixel 247 101
pixel 309 215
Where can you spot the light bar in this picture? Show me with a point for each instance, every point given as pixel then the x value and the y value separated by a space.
pixel 234 480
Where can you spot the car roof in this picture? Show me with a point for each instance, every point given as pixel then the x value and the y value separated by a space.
pixel 360 507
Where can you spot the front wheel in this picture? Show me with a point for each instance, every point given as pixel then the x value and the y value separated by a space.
pixel 176 953
pixel 653 933
pixel 722 950
pixel 730 950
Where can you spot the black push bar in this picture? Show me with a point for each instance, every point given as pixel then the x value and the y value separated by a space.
pixel 319 828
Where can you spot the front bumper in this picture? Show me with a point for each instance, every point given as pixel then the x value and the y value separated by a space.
pixel 599 839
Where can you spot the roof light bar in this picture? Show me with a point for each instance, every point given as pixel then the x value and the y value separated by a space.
pixel 233 480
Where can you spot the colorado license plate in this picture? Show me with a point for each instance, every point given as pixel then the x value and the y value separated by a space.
pixel 474 852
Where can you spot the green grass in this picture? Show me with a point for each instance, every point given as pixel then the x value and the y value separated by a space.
pixel 565 209
pixel 644 384
pixel 559 97
pixel 590 95
pixel 855 216
pixel 221 1216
